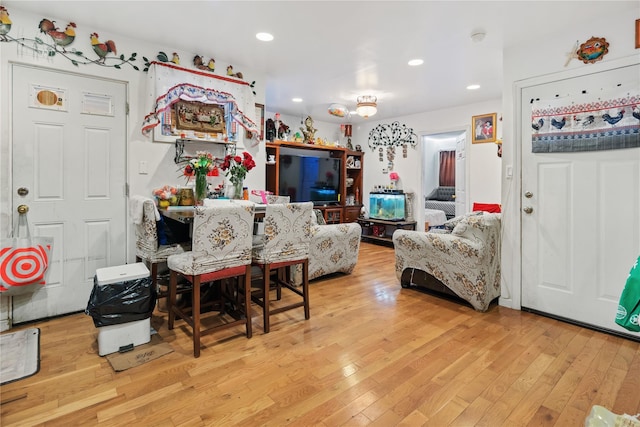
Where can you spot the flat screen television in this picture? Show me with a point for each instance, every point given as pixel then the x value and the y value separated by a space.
pixel 310 178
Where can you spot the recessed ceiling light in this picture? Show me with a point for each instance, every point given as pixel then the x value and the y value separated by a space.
pixel 265 37
pixel 473 87
pixel 296 99
pixel 415 62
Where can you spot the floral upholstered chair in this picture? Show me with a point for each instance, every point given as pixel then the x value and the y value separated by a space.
pixel 334 247
pixel 466 259
pixel 285 242
pixel 221 249
pixel 145 216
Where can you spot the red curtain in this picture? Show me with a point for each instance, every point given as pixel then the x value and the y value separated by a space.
pixel 447 168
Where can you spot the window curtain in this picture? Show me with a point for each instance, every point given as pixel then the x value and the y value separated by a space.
pixel 447 169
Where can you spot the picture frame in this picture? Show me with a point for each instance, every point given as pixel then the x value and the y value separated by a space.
pixel 259 114
pixel 637 33
pixel 483 128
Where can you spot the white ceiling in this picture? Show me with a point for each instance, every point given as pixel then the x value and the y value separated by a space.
pixel 332 51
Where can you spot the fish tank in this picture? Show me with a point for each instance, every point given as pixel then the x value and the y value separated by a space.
pixel 388 206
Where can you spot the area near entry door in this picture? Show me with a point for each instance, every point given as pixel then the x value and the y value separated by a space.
pixel 68 167
pixel 580 212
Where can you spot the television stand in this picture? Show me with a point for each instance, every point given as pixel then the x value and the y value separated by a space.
pixel 381 231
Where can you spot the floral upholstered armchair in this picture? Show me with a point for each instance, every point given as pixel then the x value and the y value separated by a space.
pixel 334 248
pixel 465 259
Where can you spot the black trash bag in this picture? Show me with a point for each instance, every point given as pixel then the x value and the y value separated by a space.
pixel 123 302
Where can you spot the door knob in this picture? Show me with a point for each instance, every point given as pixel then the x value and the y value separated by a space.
pixel 528 209
pixel 23 191
pixel 528 194
pixel 23 209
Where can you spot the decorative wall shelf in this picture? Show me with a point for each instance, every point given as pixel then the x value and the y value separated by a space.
pixel 229 147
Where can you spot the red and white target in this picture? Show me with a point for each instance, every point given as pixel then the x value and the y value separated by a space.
pixel 23 266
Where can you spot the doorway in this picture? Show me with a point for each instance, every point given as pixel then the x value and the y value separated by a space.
pixel 435 144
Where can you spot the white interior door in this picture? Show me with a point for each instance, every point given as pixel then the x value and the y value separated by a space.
pixel 461 174
pixel 583 232
pixel 69 154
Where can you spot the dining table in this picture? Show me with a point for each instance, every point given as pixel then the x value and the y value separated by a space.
pixel 184 214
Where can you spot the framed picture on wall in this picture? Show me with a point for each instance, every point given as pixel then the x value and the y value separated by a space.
pixel 637 33
pixel 259 115
pixel 483 128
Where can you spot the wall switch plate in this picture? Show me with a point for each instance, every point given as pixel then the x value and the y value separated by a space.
pixel 509 172
pixel 142 167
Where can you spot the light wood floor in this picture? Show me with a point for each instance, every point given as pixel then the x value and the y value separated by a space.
pixel 371 354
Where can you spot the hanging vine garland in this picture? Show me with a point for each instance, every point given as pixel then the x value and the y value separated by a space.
pixel 61 39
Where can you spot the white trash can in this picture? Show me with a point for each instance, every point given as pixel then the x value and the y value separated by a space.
pixel 123 336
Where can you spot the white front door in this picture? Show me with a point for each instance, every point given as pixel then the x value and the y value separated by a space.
pixel 69 157
pixel 461 174
pixel 580 214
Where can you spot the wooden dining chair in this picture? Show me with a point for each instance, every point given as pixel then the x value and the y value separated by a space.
pixel 221 249
pixel 285 243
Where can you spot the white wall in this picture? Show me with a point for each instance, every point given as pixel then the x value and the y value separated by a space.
pixel 527 62
pixel 159 156
pixel 409 169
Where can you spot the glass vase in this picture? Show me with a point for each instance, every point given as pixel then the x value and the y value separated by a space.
pixel 201 187
pixel 237 189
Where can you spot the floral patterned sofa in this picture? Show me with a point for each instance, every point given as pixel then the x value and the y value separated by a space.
pixel 334 248
pixel 464 257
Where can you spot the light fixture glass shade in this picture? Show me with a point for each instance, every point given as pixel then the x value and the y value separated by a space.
pixel 366 106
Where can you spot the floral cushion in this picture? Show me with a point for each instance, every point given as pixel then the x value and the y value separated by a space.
pixel 222 238
pixel 334 248
pixel 287 231
pixel 147 246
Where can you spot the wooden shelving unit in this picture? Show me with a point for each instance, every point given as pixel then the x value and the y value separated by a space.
pixel 352 163
pixel 370 226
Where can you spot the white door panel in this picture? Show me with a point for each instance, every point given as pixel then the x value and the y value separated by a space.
pixel 461 175
pixel 583 233
pixel 72 161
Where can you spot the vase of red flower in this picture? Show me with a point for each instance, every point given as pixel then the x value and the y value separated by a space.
pixel 200 167
pixel 236 168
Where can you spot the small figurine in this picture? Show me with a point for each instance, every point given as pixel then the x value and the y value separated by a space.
pixel 308 131
pixel 283 131
pixel 232 74
pixel 211 65
pixel 358 147
pixel 176 58
pixel 199 63
pixel 270 130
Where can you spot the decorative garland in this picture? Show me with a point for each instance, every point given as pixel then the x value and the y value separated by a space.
pixel 62 39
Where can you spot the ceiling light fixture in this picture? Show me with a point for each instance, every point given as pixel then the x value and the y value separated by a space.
pixel 265 37
pixel 478 35
pixel 416 62
pixel 473 87
pixel 366 106
pixel 296 99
